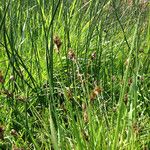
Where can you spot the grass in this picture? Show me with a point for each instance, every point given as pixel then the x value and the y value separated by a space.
pixel 74 75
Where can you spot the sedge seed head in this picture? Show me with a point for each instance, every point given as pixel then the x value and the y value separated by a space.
pixel 1 77
pixel 71 55
pixel 97 90
pixel 85 117
pixel 58 43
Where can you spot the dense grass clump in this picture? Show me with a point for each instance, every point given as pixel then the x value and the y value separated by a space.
pixel 74 74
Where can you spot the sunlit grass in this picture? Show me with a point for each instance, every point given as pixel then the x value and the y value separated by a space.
pixel 74 74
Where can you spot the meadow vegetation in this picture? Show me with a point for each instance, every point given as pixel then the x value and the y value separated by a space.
pixel 74 74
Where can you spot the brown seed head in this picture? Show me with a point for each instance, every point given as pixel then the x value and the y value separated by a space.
pixel 58 43
pixel 1 133
pixel 85 117
pixel 97 90
pixel 1 77
pixel 71 55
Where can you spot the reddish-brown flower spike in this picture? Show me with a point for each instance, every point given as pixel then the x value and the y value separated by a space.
pixel 58 43
pixel 71 55
pixel 1 77
pixel 97 90
pixel 1 133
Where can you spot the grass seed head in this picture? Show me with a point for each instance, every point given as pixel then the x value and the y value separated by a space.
pixel 57 42
pixel 1 77
pixel 71 55
pixel 97 90
pixel 2 133
pixel 85 117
